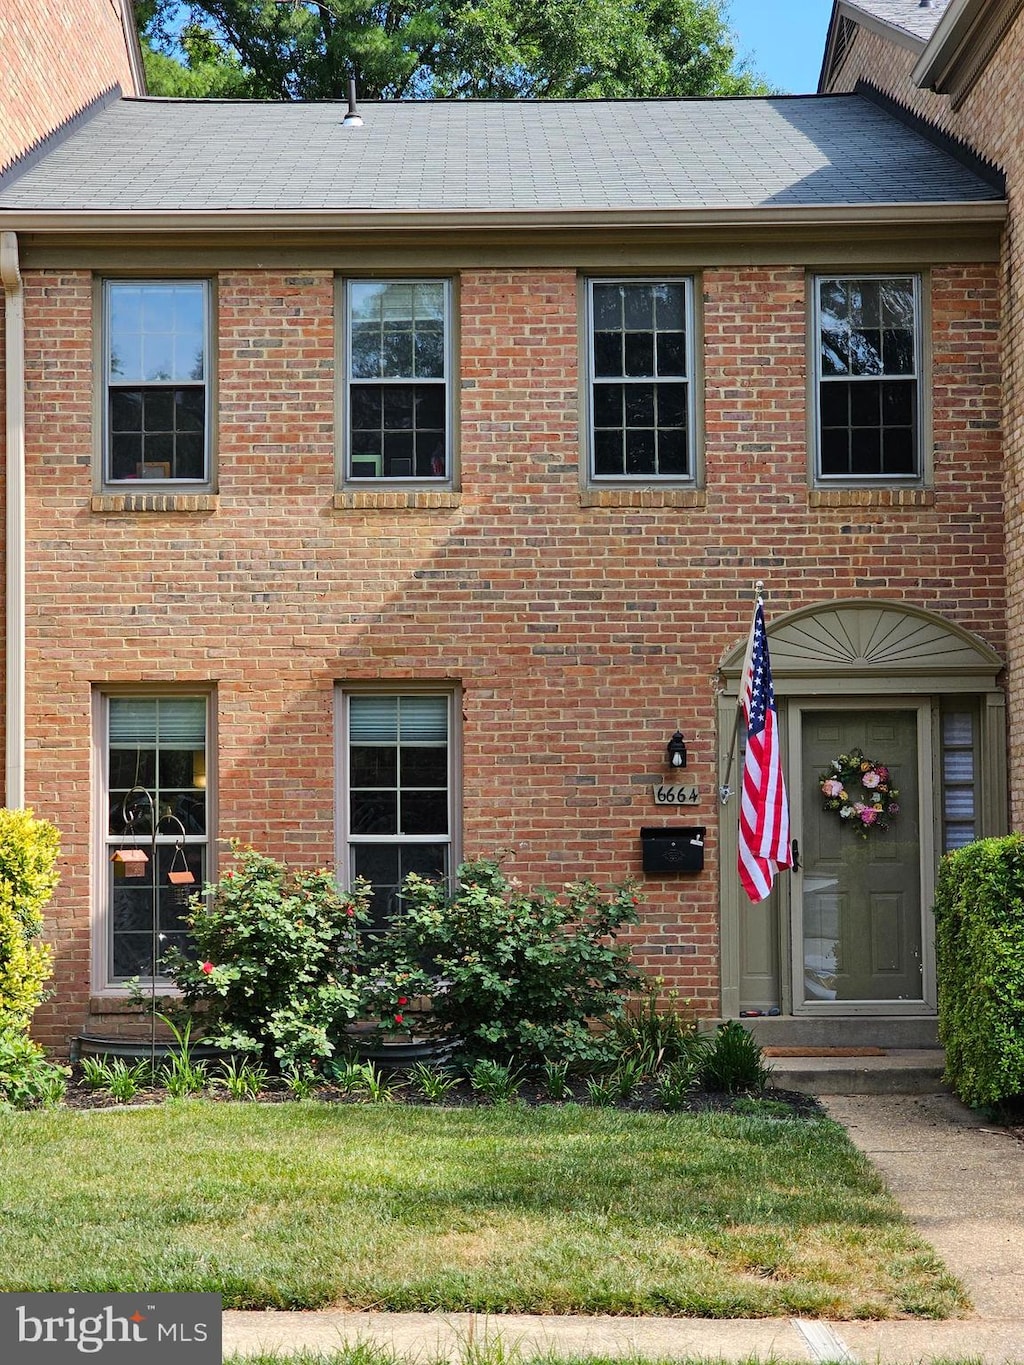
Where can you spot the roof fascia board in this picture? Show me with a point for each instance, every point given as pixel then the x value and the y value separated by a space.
pixel 966 37
pixel 133 44
pixel 393 222
pixel 846 9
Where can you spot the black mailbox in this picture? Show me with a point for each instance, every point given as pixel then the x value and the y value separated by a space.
pixel 678 849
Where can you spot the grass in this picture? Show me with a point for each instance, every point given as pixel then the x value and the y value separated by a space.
pixel 556 1209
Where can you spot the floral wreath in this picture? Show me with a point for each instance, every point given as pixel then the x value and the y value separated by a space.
pixel 875 807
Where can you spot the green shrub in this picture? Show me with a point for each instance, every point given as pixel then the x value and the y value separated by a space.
pixel 27 1079
pixel 523 972
pixel 29 849
pixel 656 1028
pixel 732 1059
pixel 979 918
pixel 276 969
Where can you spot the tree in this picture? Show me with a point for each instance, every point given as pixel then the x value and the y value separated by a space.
pixel 421 49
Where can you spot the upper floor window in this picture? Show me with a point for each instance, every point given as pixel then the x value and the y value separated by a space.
pixel 397 379
pixel 641 391
pixel 156 364
pixel 868 377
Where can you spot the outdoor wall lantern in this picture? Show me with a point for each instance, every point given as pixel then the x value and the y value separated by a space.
pixel 675 751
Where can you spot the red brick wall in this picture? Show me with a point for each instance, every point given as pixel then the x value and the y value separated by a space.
pixel 581 634
pixel 991 120
pixel 57 57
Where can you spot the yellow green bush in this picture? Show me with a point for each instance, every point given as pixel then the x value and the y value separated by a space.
pixel 29 849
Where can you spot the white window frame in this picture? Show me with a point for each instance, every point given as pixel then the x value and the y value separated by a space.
pixel 445 480
pixel 345 839
pixel 689 479
pixel 918 475
pixel 104 983
pixel 110 383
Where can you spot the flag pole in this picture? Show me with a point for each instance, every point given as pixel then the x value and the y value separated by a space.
pixel 725 790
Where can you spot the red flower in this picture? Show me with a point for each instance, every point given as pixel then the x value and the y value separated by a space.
pixel 349 911
pixel 206 968
pixel 398 1018
pixel 403 1000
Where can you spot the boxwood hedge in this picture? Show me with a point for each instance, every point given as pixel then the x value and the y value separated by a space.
pixel 979 914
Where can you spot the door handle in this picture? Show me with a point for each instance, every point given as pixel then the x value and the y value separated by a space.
pixel 796 856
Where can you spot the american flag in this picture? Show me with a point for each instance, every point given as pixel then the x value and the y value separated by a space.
pixel 764 809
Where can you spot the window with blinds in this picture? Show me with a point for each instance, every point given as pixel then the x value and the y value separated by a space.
pixel 156 801
pixel 398 792
pixel 959 779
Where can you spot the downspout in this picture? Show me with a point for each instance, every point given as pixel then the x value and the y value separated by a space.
pixel 14 318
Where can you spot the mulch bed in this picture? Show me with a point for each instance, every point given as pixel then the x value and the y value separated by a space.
pixel 791 1103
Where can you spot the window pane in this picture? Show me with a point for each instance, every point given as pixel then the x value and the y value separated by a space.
pixel 373 718
pixel 609 456
pixel 608 354
pixel 865 451
pixel 671 353
pixel 669 307
pixel 672 458
pixel 640 452
pixel 373 812
pixel 607 307
pixel 639 405
pixel 638 354
pixel 157 331
pixel 638 307
pixel 373 766
pixel 608 410
pixel 424 812
pixel 423 767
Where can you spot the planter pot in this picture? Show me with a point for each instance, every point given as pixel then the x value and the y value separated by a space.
pixel 402 1051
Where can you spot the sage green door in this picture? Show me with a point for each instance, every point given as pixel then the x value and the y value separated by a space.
pixel 857 914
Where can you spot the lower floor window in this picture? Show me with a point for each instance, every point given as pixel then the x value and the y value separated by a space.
pixel 397 791
pixel 155 798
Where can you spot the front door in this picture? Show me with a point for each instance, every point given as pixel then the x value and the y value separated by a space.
pixel 858 894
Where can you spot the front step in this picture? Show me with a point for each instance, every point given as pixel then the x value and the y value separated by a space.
pixel 908 1059
pixel 899 1071
pixel 862 1030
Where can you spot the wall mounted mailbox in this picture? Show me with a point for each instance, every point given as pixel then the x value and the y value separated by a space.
pixel 677 849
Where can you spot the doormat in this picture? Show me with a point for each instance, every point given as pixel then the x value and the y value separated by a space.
pixel 825 1051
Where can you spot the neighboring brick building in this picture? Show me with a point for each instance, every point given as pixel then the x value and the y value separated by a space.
pixel 393 493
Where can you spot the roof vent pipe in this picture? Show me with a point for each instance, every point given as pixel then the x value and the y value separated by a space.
pixel 926 4
pixel 353 118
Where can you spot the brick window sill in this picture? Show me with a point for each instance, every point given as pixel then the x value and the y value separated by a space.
pixel 398 499
pixel 643 497
pixel 155 502
pixel 871 497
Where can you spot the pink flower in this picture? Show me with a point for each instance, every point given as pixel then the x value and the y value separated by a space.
pixel 349 911
pixel 832 787
pixel 206 968
pixel 868 814
pixel 871 781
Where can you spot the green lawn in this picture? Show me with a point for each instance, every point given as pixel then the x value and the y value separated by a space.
pixel 552 1209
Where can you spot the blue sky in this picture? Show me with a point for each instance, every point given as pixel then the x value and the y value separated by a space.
pixel 784 39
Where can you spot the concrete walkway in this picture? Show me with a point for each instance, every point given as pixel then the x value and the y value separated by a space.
pixel 960 1181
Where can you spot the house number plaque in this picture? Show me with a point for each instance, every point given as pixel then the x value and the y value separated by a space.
pixel 674 794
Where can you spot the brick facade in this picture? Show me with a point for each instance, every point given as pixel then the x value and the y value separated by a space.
pixel 58 57
pixel 990 120
pixel 581 634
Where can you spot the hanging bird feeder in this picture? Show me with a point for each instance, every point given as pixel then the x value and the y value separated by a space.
pixel 179 876
pixel 129 862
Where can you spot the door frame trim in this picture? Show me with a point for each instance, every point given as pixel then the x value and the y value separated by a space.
pixel 791 910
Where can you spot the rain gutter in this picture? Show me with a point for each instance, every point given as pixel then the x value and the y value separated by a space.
pixel 14 325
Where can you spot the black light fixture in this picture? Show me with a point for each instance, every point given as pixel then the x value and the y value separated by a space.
pixel 675 751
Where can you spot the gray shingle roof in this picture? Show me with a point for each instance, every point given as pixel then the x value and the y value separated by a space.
pixel 910 15
pixel 183 155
